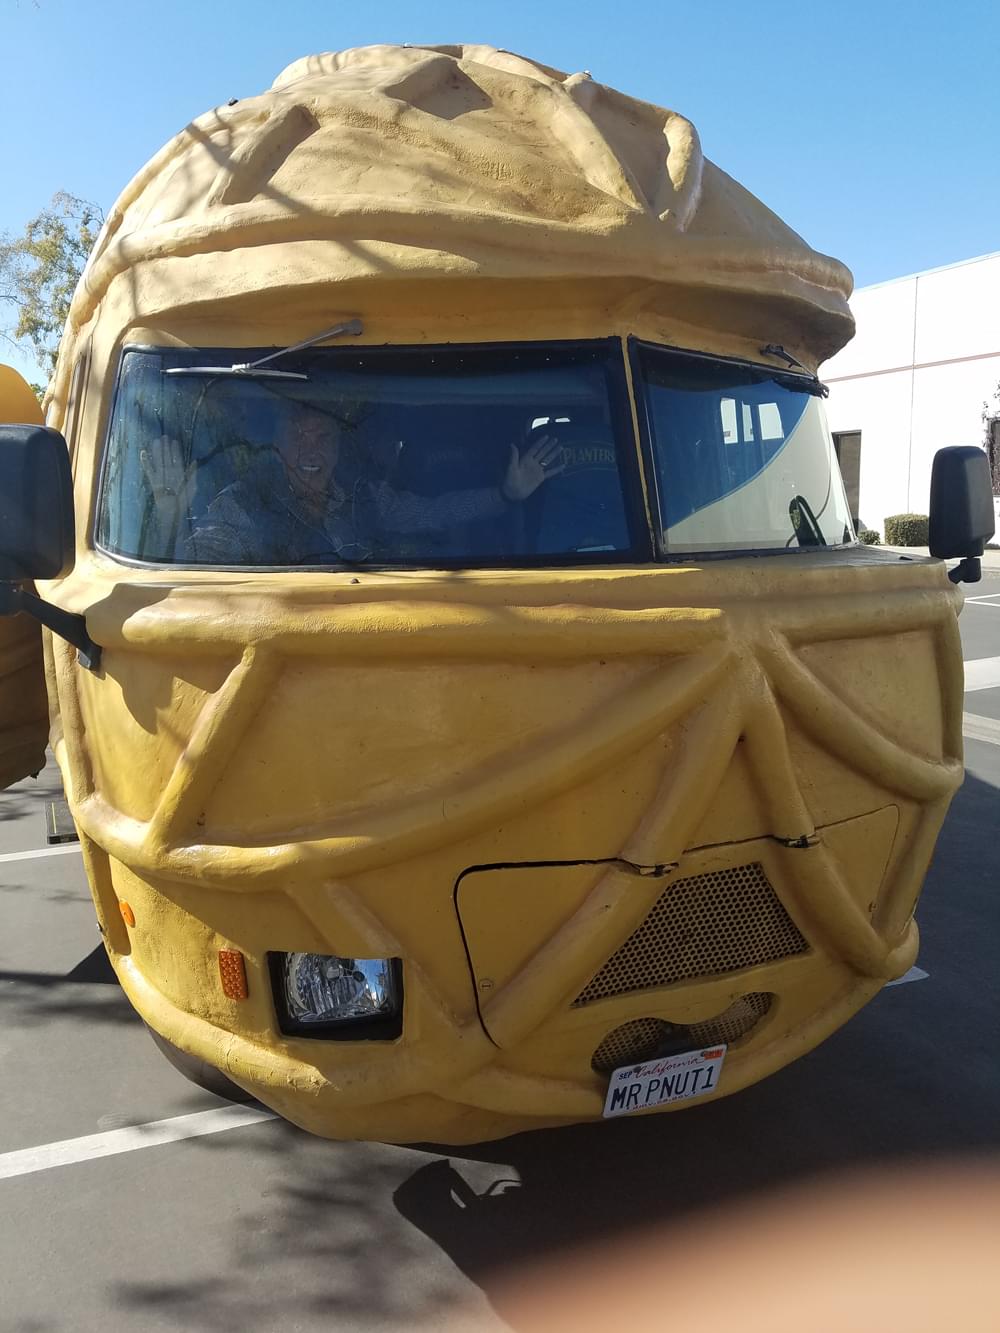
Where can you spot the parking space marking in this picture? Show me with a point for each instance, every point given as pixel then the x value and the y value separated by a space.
pixel 978 728
pixel 66 1152
pixel 982 673
pixel 64 849
pixel 987 599
pixel 914 974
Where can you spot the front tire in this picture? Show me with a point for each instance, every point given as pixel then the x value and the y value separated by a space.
pixel 199 1072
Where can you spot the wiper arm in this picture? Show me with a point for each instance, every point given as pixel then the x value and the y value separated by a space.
pixel 256 370
pixel 805 524
pixel 776 350
pixel 352 327
pixel 244 372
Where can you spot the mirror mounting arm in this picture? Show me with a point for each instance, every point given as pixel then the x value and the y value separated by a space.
pixel 69 626
pixel 969 570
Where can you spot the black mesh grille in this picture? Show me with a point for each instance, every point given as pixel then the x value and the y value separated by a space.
pixel 700 927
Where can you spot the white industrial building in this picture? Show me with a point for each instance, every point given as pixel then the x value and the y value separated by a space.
pixel 918 375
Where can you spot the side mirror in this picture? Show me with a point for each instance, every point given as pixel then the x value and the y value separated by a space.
pixel 36 504
pixel 961 508
pixel 37 530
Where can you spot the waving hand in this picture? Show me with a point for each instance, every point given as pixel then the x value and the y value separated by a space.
pixel 527 471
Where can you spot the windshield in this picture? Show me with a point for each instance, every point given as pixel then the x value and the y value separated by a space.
pixel 425 456
pixel 742 456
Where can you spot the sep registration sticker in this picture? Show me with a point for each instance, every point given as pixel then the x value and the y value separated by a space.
pixel 674 1078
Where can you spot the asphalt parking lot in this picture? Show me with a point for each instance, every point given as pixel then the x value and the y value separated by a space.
pixel 260 1227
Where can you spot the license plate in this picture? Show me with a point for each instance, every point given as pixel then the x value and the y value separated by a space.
pixel 673 1078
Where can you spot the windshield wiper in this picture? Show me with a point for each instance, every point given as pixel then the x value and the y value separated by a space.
pixel 256 369
pixel 805 524
pixel 776 350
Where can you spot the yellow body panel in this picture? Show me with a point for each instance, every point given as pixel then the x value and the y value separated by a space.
pixel 17 399
pixel 24 718
pixel 651 693
pixel 354 763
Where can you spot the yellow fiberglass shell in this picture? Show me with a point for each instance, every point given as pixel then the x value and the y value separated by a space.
pixel 17 399
pixel 24 719
pixel 331 766
pixel 584 807
pixel 431 186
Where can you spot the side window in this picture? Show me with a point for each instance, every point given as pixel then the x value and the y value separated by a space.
pixel 761 420
pixel 74 403
pixel 748 422
pixel 770 422
pixel 737 450
pixel 727 409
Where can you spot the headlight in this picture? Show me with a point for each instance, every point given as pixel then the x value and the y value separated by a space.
pixel 351 998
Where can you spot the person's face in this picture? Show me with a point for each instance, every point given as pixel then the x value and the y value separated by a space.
pixel 309 445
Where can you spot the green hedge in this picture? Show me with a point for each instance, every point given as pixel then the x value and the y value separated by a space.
pixel 906 530
pixel 869 536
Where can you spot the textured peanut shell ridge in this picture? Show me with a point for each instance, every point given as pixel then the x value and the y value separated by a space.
pixel 459 161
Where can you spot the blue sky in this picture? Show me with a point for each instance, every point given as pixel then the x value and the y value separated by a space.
pixel 871 128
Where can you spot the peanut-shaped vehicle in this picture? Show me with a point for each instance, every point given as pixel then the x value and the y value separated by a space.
pixel 474 704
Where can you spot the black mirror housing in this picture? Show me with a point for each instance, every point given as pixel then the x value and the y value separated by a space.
pixel 36 504
pixel 961 517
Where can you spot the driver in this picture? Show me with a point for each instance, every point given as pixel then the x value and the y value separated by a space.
pixel 304 513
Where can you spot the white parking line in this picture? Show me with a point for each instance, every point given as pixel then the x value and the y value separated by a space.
pixel 982 673
pixel 64 849
pixel 978 728
pixel 987 599
pixel 914 974
pixel 91 1146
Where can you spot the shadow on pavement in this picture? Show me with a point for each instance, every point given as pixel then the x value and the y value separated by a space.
pixel 907 1081
pixel 89 992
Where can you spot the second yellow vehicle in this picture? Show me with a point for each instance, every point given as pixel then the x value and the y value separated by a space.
pixel 475 707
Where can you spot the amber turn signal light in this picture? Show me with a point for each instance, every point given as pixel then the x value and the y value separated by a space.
pixel 128 916
pixel 233 972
